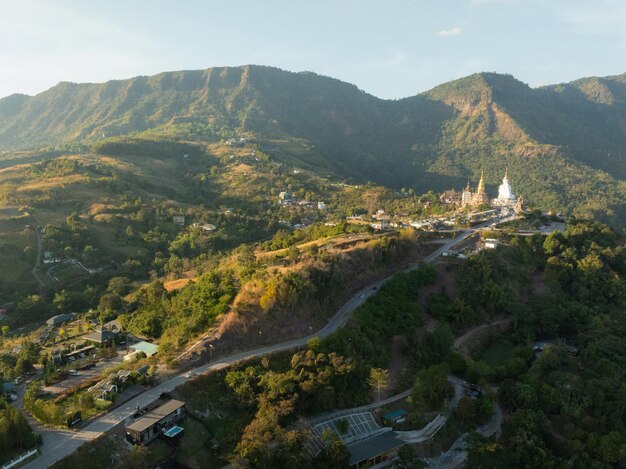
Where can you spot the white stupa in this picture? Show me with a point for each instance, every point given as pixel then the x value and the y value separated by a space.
pixel 505 193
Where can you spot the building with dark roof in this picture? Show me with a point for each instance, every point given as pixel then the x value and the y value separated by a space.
pixel 101 336
pixel 151 425
pixel 60 319
pixel 374 450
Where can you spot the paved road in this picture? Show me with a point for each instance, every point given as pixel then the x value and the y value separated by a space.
pixel 60 443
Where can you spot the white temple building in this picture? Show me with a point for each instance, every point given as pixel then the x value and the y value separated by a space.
pixel 506 198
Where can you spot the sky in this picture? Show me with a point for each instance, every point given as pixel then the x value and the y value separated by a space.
pixel 391 49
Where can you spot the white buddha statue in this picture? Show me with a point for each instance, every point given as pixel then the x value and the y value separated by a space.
pixel 505 193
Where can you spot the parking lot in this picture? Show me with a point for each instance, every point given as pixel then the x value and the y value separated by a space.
pixel 70 381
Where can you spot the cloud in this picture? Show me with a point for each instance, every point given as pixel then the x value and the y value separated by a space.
pixel 450 32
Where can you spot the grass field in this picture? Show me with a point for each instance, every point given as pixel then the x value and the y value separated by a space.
pixel 193 451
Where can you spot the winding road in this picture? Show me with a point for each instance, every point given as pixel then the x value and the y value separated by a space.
pixel 58 444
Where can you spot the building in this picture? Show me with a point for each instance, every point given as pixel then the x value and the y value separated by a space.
pixel 81 353
pixel 102 336
pixel 154 423
pixel 466 196
pixel 208 227
pixel 480 197
pixel 491 243
pixel 375 450
pixel 60 319
pixel 179 220
pixel 450 197
pixel 145 347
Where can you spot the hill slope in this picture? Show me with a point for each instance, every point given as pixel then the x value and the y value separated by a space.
pixel 565 145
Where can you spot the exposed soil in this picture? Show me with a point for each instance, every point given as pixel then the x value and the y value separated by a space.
pixel 237 331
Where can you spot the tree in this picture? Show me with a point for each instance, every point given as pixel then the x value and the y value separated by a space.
pixel 118 286
pixel 378 380
pixel 138 456
pixel 334 455
pixel 293 254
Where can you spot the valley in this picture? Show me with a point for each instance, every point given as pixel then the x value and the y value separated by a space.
pixel 182 237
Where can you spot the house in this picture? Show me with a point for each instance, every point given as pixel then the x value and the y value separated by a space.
pixel 208 227
pixel 154 423
pixel 115 325
pixel 375 450
pixel 179 220
pixel 81 353
pixel 491 243
pixel 321 206
pixel 106 391
pixel 450 197
pixel 145 347
pixel 60 319
pixel 102 336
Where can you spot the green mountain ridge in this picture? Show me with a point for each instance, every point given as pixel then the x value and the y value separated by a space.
pixel 565 145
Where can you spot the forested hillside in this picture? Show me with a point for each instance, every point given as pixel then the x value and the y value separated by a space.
pixel 564 144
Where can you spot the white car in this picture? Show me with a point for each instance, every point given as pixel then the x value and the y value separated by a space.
pixel 190 374
pixel 74 373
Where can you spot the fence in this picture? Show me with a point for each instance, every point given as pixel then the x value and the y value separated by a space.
pixel 19 459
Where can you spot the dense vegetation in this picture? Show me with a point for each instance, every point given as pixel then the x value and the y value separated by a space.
pixel 331 373
pixel 567 405
pixel 16 436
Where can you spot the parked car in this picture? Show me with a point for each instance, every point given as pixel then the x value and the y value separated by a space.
pixel 74 373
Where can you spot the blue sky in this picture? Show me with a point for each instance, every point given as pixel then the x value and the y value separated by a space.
pixel 391 49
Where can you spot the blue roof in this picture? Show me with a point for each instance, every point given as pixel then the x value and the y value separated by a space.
pixel 8 386
pixel 146 347
pixel 395 414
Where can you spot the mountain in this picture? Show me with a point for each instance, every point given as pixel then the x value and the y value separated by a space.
pixel 564 145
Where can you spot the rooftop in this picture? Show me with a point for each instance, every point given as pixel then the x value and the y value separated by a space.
pixel 156 415
pixel 374 446
pixel 146 347
pixel 101 336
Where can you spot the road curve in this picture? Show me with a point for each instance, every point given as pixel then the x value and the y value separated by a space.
pixel 58 444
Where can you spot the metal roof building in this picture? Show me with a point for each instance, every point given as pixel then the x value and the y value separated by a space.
pixel 374 450
pixel 148 427
pixel 145 347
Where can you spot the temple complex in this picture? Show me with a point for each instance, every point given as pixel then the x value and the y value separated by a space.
pixel 505 198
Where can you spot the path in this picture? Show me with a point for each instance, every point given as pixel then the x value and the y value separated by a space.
pixel 58 443
pixel 37 266
pixel 457 454
pixel 460 341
